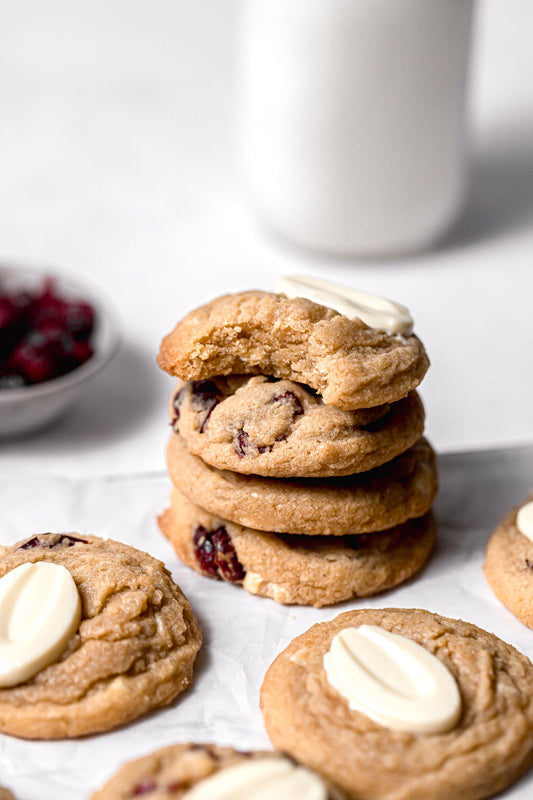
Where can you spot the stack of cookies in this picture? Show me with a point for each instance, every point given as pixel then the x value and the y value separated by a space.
pixel 298 464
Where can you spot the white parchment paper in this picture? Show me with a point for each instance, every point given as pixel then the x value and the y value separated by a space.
pixel 242 633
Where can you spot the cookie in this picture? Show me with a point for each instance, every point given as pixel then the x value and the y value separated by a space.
pixel 370 501
pixel 278 428
pixel 302 570
pixel 259 333
pixel 174 771
pixel 486 749
pixel 5 794
pixel 133 651
pixel 509 567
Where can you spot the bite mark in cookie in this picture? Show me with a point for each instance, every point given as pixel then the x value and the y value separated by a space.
pixel 351 365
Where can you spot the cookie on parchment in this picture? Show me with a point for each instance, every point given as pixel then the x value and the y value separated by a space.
pixel 133 651
pixel 292 569
pixel 348 363
pixel 279 428
pixel 172 772
pixel 489 745
pixel 370 501
pixel 509 562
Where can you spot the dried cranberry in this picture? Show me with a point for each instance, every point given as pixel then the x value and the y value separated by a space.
pixel 289 397
pixel 204 550
pixel 38 541
pixel 205 396
pixel 71 353
pixel 216 555
pixel 229 566
pixel 8 312
pixel 42 335
pixel 242 443
pixel 47 306
pixel 79 319
pixel 32 362
pixel 176 403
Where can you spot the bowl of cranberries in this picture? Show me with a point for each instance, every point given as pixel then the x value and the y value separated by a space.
pixel 54 336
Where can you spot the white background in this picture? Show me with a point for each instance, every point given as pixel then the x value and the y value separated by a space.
pixel 119 163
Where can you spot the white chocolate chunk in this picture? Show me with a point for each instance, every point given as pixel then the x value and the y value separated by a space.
pixel 524 520
pixel 40 609
pixel 393 680
pixel 375 311
pixel 261 779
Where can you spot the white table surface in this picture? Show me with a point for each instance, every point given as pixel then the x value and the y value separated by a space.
pixel 242 634
pixel 119 163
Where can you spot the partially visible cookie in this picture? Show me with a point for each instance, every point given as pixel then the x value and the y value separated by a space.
pixel 349 364
pixel 490 746
pixel 170 773
pixel 5 794
pixel 278 428
pixel 133 652
pixel 292 569
pixel 370 501
pixel 509 566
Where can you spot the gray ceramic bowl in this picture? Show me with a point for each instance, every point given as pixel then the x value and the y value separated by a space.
pixel 25 410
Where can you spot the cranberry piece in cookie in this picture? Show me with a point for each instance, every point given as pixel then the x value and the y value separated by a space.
pixel 50 540
pixel 251 425
pixel 205 396
pixel 216 555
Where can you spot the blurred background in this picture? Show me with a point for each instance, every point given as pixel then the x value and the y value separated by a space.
pixel 121 166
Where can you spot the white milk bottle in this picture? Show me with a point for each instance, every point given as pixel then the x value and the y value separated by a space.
pixel 354 129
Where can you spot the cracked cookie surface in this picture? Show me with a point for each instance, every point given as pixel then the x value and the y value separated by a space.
pixel 491 745
pixel 168 773
pixel 509 567
pixel 370 501
pixel 292 569
pixel 279 428
pixel 133 652
pixel 349 364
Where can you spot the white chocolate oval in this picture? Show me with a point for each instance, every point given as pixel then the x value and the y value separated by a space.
pixel 40 609
pixel 393 680
pixel 524 520
pixel 375 311
pixel 263 779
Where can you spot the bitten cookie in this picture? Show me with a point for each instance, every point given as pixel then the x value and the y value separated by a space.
pixel 509 562
pixel 488 746
pixel 133 651
pixel 304 570
pixel 209 771
pixel 370 501
pixel 349 364
pixel 278 428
